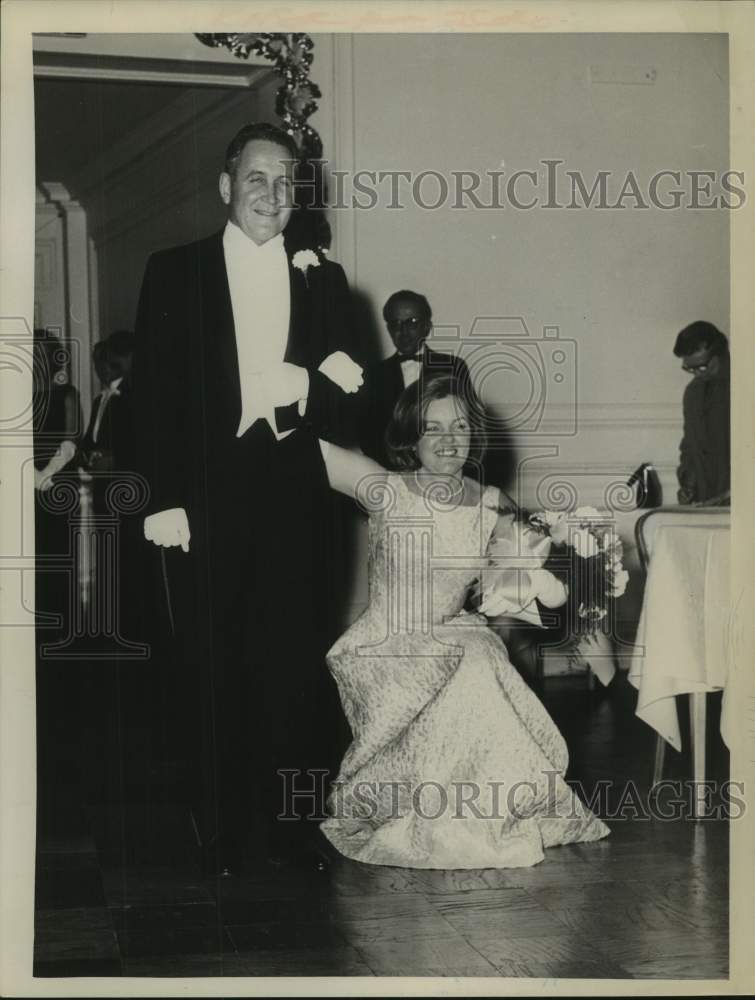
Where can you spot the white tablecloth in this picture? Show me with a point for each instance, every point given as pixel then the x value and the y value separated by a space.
pixel 683 639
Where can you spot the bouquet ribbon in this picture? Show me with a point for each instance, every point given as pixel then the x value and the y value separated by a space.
pixel 514 590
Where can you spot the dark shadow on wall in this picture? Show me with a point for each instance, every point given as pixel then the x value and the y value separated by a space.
pixel 500 463
pixel 367 325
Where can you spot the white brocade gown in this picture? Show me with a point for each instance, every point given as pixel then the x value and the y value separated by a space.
pixel 454 762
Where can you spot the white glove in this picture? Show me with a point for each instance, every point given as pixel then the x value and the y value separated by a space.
pixel 61 458
pixel 65 452
pixel 339 368
pixel 285 383
pixel 169 527
pixel 548 589
pixel 516 598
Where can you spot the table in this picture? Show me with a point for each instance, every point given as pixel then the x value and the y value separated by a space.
pixel 683 637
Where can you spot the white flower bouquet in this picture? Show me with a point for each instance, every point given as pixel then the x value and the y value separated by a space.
pixel 554 558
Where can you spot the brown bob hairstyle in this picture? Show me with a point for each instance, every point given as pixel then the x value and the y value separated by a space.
pixel 407 424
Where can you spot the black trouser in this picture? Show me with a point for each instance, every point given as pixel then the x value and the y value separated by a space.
pixel 252 603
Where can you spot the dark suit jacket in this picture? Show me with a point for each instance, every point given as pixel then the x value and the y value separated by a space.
pixel 186 380
pixel 115 438
pixel 704 470
pixel 383 384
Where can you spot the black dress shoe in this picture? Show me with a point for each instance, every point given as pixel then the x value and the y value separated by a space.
pixel 219 861
pixel 304 858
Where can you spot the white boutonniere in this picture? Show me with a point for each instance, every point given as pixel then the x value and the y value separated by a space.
pixel 304 259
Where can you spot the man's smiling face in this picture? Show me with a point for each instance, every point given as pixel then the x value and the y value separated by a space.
pixel 259 192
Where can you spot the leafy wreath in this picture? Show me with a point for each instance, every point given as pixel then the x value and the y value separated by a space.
pixel 296 98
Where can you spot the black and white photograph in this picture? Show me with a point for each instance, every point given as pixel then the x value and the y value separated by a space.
pixel 371 469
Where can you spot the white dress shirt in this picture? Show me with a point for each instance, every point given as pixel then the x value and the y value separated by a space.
pixel 258 279
pixel 105 396
pixel 410 368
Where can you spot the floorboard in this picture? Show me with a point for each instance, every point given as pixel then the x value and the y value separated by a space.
pixel 648 902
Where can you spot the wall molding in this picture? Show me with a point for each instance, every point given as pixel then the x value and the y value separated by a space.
pixel 168 198
pixel 73 250
pixel 133 69
pixel 130 158
pixel 615 415
pixel 556 482
pixel 171 124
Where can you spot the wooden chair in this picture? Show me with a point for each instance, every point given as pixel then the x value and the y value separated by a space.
pixel 645 530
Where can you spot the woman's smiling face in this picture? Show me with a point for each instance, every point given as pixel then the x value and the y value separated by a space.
pixel 444 446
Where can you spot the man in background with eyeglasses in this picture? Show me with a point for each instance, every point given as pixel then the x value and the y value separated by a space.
pixel 408 318
pixel 704 455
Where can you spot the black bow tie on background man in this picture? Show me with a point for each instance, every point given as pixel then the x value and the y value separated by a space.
pixel 410 357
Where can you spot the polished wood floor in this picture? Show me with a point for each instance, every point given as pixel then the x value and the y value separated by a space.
pixel 649 902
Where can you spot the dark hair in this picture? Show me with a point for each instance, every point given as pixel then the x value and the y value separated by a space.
pixel 120 343
pixel 406 426
pixel 415 297
pixel 700 334
pixel 262 131
pixel 115 351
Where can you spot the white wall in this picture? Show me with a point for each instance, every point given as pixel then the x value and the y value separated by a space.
pixel 620 284
pixel 617 284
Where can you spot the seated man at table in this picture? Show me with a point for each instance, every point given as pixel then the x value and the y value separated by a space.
pixel 704 462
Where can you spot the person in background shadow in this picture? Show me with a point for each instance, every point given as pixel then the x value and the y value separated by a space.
pixel 704 470
pixel 408 318
pixel 57 410
pixel 242 361
pixel 107 460
pixel 57 429
pixel 132 763
pixel 108 444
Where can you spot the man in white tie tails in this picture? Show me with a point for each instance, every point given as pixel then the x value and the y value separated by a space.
pixel 242 363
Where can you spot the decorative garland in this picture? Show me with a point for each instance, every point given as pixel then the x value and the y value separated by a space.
pixel 296 99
